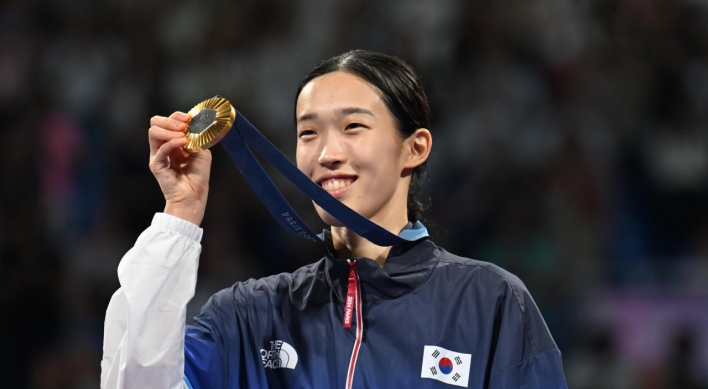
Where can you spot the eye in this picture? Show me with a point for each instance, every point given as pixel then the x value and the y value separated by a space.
pixel 353 125
pixel 306 133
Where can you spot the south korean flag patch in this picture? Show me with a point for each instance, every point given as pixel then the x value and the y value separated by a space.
pixel 447 366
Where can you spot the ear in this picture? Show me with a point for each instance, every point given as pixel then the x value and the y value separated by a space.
pixel 417 148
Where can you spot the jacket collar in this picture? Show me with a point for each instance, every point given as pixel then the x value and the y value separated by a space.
pixel 407 266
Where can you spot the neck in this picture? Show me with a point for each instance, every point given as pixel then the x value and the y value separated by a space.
pixel 348 244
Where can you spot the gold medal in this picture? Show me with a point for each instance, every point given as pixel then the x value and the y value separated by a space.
pixel 211 120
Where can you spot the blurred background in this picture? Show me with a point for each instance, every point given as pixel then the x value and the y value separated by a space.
pixel 571 148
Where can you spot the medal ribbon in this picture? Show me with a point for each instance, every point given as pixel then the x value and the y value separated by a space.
pixel 237 141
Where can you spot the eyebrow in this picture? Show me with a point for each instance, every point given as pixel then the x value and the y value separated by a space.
pixel 341 112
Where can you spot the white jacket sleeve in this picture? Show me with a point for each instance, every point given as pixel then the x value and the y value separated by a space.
pixel 143 344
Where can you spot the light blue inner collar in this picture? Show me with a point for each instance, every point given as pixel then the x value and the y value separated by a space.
pixel 412 232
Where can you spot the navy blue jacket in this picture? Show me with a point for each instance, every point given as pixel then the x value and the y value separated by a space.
pixel 422 296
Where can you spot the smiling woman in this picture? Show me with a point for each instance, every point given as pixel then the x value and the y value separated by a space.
pixel 399 89
pixel 350 144
pixel 364 316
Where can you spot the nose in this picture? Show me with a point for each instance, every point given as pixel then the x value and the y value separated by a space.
pixel 332 154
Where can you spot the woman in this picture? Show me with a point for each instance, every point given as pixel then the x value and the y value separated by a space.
pixel 427 318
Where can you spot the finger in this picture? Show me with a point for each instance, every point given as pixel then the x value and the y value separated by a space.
pixel 181 116
pixel 168 123
pixel 158 135
pixel 193 156
pixel 198 160
pixel 178 156
pixel 161 159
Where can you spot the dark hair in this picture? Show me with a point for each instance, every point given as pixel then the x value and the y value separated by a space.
pixel 400 89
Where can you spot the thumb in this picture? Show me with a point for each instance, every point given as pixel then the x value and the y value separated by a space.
pixel 161 160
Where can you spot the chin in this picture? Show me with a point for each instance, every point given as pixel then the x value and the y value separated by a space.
pixel 328 219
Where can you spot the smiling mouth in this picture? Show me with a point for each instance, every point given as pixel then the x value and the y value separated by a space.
pixel 337 184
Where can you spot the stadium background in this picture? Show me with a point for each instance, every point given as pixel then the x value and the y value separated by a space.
pixel 571 148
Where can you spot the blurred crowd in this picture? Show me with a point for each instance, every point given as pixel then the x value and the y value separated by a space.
pixel 571 148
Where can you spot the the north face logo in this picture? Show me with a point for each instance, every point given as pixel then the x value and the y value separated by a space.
pixel 281 355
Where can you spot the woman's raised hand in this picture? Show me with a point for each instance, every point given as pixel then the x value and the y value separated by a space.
pixel 183 176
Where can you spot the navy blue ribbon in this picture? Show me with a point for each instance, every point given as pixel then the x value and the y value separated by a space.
pixel 237 141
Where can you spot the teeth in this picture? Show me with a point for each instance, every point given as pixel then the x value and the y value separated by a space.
pixel 331 185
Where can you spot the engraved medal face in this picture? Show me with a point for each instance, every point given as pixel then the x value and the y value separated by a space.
pixel 211 120
pixel 202 121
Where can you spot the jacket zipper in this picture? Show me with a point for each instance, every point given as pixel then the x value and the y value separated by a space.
pixel 353 302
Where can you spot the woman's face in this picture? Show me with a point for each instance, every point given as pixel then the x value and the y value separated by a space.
pixel 348 144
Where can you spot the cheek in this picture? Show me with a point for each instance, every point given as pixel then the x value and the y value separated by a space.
pixel 303 159
pixel 380 157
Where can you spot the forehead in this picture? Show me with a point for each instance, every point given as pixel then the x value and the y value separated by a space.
pixel 337 90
